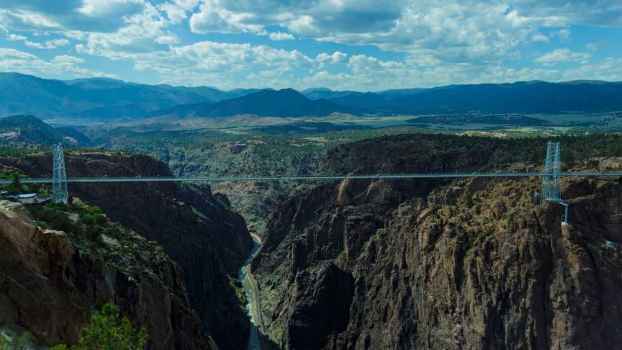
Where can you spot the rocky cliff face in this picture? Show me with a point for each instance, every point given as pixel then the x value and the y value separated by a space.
pixel 470 264
pixel 50 282
pixel 208 241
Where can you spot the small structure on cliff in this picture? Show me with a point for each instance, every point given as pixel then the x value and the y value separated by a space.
pixel 27 198
pixel 19 194
pixel 24 198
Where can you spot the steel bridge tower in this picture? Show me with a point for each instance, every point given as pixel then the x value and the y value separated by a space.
pixel 551 191
pixel 552 168
pixel 59 176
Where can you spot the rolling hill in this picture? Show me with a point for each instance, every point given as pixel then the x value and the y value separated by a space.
pixel 26 129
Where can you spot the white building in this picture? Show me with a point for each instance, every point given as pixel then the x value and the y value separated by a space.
pixel 27 198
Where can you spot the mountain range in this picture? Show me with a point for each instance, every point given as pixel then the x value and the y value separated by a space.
pixel 96 98
pixel 107 98
pixel 265 103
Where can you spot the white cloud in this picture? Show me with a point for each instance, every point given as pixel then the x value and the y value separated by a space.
pixel 212 17
pixel 540 38
pixel 244 65
pixel 12 60
pixel 142 32
pixel 34 19
pixel 25 19
pixel 454 31
pixel 67 60
pixel 369 73
pixel 460 31
pixel 167 40
pixel 563 55
pixel 432 42
pixel 16 37
pixel 333 58
pixel 100 8
pixel 178 10
pixel 75 34
pixel 7 54
pixel 50 44
pixel 609 69
pixel 593 12
pixel 64 15
pixel 277 36
pixel 304 25
pixel 225 65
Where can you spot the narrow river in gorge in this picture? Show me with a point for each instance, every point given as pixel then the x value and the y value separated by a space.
pixel 252 302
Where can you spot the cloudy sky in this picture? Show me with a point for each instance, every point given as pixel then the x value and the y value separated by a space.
pixel 340 44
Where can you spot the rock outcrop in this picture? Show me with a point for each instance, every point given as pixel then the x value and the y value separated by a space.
pixel 197 230
pixel 469 264
pixel 49 284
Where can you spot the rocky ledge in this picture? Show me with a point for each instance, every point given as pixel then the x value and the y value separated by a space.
pixel 51 280
pixel 195 227
pixel 472 264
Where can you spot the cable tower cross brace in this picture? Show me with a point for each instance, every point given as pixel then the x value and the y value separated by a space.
pixel 551 184
pixel 59 176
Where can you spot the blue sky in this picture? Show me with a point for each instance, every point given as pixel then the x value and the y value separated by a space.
pixel 340 44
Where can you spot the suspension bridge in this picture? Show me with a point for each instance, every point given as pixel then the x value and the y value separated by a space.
pixel 551 177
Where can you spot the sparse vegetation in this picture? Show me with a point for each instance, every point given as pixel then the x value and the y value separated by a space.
pixel 18 152
pixel 56 216
pixel 16 341
pixel 108 330
pixel 15 178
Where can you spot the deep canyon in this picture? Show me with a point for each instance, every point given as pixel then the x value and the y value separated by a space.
pixel 425 264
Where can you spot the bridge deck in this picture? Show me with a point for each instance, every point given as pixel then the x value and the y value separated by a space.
pixel 106 179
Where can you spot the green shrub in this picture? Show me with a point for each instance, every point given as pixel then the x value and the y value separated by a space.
pixel 107 330
pixel 57 347
pixel 55 218
pixel 43 191
pixel 16 183
pixel 100 219
pixel 22 341
pixel 88 219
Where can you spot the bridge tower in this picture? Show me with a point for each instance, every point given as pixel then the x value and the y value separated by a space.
pixel 552 168
pixel 551 191
pixel 59 176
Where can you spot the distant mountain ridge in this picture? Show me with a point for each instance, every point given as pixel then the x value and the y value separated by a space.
pixel 97 97
pixel 108 98
pixel 275 103
pixel 519 97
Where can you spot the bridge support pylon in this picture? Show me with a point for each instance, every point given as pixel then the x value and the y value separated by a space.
pixel 60 194
pixel 551 184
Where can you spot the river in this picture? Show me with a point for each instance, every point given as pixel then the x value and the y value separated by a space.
pixel 250 290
